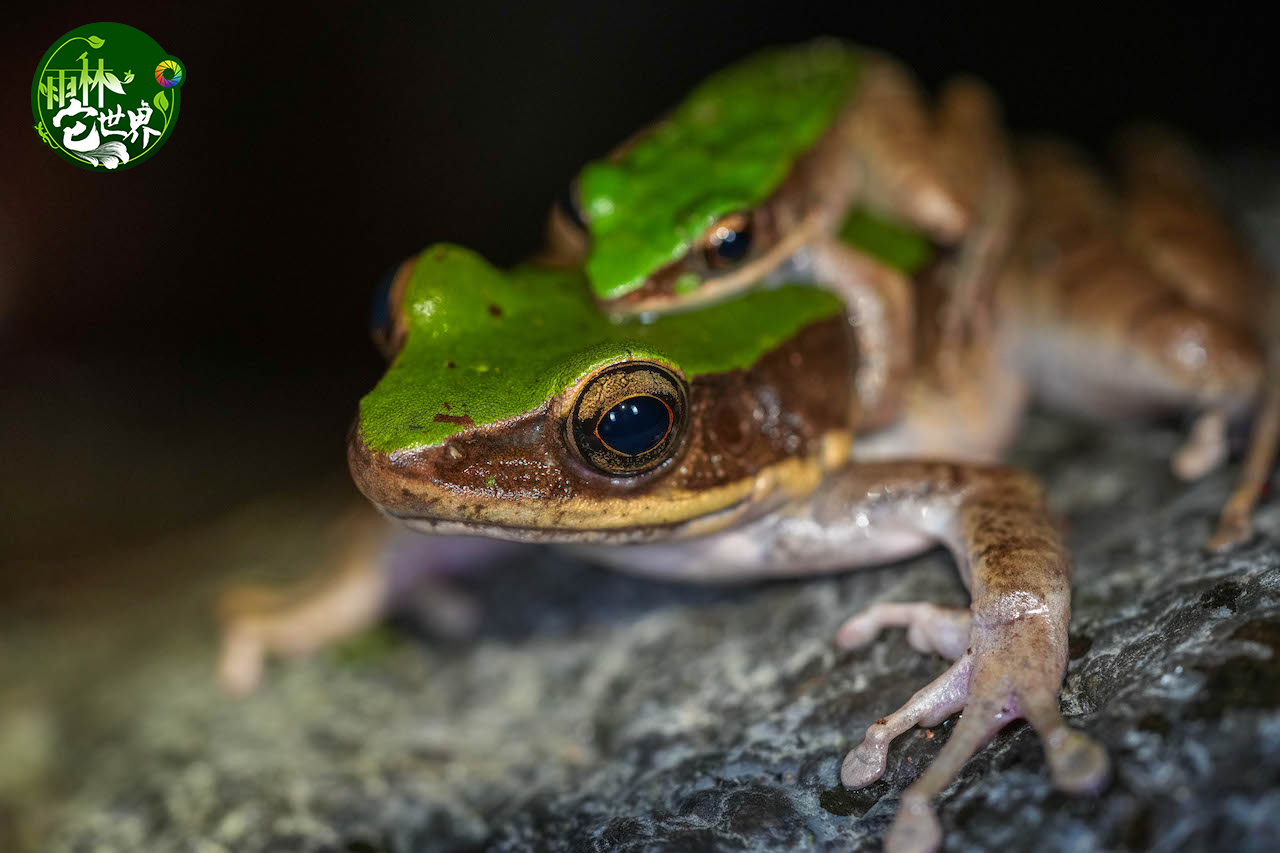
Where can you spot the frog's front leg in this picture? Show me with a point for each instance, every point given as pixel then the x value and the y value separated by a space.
pixel 882 308
pixel 376 570
pixel 1009 652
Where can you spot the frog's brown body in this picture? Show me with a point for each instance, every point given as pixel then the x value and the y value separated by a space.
pixel 1050 286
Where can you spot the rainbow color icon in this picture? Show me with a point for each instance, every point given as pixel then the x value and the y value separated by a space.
pixel 176 74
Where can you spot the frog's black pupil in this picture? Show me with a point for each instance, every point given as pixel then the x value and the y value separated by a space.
pixel 734 246
pixel 635 425
pixel 380 309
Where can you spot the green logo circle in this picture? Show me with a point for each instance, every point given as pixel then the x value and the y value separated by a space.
pixel 106 96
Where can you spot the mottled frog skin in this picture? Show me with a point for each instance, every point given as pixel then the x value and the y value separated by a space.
pixel 789 329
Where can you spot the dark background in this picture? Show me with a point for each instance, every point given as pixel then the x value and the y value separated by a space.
pixel 181 337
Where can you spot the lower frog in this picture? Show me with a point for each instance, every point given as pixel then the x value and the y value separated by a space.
pixel 728 440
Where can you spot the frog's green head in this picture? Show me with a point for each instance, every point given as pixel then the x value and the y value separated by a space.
pixel 513 408
pixel 684 202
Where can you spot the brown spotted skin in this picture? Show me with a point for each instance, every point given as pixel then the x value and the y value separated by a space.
pixel 891 133
pixel 780 415
pixel 1171 220
pixel 1100 330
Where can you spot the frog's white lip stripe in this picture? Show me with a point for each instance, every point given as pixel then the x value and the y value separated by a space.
pixel 634 535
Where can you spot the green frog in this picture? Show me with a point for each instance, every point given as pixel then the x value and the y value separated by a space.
pixel 666 402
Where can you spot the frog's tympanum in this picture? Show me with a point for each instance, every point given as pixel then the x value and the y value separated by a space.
pixel 789 329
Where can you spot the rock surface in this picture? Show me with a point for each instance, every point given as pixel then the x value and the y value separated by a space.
pixel 599 712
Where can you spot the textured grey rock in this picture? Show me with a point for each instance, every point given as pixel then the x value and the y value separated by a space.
pixel 602 712
pixel 599 712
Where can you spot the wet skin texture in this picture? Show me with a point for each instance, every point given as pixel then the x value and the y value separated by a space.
pixel 816 387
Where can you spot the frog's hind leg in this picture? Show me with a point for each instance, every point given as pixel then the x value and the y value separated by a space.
pixel 1171 219
pixel 1102 332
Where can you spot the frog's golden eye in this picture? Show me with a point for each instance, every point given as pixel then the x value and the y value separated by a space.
pixel 727 243
pixel 629 419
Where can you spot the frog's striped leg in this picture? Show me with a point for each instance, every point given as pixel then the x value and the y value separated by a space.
pixel 1100 331
pixel 1171 220
pixel 1015 652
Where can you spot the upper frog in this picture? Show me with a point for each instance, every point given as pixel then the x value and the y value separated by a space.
pixel 756 165
pixel 723 150
pixel 514 405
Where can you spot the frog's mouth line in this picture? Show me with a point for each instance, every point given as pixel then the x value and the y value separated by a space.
pixel 635 535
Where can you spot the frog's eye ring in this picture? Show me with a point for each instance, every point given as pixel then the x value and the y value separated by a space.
pixel 629 419
pixel 567 203
pixel 727 243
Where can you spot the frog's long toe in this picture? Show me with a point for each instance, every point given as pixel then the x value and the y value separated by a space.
pixel 930 628
pixel 1079 763
pixel 929 706
pixel 997 695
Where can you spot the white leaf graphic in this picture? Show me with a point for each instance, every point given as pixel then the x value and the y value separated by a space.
pixel 113 83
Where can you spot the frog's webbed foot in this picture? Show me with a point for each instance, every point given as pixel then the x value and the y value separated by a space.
pixel 996 677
